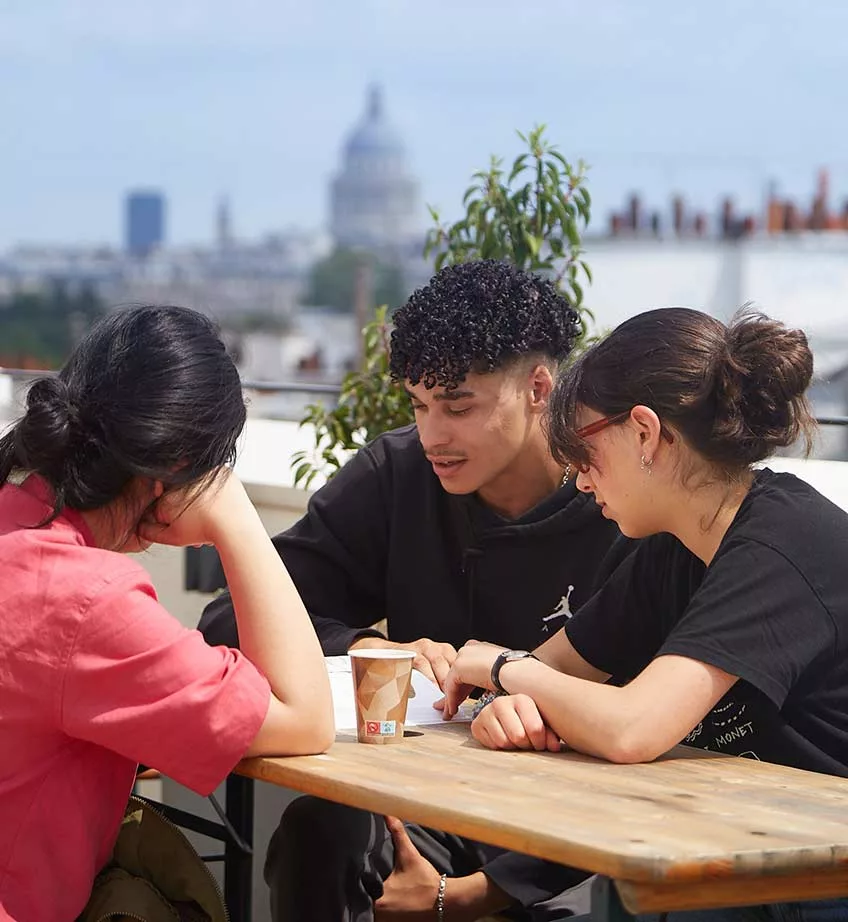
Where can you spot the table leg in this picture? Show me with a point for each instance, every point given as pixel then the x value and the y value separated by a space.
pixel 606 903
pixel 238 862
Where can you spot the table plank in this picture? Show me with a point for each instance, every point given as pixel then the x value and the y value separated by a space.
pixel 688 817
pixel 653 897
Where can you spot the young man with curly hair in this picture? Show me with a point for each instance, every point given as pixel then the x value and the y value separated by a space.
pixel 461 526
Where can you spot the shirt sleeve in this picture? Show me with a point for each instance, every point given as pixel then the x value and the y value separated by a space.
pixel 620 629
pixel 139 683
pixel 756 617
pixel 530 880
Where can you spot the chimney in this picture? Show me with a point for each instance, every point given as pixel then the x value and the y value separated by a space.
pixel 727 222
pixel 818 216
pixel 677 214
pixel 634 209
pixel 656 224
pixel 824 185
pixel 791 218
pixel 775 214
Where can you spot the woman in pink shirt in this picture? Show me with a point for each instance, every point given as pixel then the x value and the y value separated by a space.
pixel 130 445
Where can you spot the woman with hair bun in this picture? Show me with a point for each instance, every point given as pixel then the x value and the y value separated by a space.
pixel 727 626
pixel 131 445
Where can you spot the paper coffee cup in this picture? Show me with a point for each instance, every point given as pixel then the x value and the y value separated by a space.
pixel 381 683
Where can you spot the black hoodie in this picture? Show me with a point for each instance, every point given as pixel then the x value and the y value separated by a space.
pixel 384 540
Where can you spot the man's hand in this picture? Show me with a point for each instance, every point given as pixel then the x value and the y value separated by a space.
pixel 432 659
pixel 514 722
pixel 409 892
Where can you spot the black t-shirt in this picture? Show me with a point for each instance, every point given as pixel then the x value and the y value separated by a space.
pixel 771 608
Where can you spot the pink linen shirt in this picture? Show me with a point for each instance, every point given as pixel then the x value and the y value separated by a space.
pixel 95 677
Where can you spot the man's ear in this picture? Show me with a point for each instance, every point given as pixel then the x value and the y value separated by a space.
pixel 541 386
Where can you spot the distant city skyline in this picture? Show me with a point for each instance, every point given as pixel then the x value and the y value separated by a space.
pixel 253 101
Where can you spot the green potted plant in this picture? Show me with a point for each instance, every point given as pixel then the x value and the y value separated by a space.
pixel 534 216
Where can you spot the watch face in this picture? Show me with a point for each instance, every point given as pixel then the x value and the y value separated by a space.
pixel 511 655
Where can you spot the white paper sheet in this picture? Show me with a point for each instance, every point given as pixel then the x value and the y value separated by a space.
pixel 419 713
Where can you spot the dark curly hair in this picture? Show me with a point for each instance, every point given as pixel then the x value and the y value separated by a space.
pixel 477 317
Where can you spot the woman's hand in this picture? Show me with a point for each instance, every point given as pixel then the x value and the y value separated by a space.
pixel 471 669
pixel 193 517
pixel 514 722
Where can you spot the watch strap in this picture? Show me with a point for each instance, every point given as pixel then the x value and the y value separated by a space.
pixel 507 656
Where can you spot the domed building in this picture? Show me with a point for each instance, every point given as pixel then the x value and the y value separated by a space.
pixel 373 201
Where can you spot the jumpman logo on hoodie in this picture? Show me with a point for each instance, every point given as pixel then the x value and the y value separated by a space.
pixel 562 610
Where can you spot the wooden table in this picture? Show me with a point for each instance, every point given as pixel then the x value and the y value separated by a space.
pixel 691 830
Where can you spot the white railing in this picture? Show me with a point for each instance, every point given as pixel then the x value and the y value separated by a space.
pixel 270 438
pixel 293 396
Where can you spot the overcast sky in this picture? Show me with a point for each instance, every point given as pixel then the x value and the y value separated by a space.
pixel 254 98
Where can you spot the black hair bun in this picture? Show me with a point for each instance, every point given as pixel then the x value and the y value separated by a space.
pixel 45 434
pixel 761 379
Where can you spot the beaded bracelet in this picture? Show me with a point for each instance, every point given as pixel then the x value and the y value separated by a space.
pixel 483 701
pixel 440 898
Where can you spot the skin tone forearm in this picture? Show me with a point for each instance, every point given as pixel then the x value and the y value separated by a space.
pixel 635 723
pixel 472 897
pixel 410 891
pixel 559 654
pixel 275 631
pixel 588 716
pixel 276 634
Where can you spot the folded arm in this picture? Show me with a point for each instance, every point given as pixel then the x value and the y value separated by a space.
pixel 633 723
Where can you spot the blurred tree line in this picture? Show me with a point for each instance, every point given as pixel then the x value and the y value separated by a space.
pixel 39 329
pixel 332 281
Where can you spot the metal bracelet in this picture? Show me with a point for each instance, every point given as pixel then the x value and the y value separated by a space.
pixel 486 699
pixel 440 899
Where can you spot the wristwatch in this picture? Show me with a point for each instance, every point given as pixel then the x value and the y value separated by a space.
pixel 508 656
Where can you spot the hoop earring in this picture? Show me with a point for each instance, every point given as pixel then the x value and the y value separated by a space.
pixel 646 465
